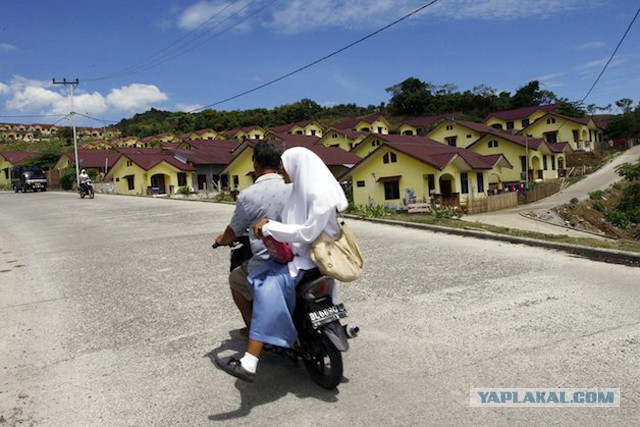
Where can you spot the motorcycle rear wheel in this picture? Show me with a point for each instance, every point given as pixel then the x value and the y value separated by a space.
pixel 325 365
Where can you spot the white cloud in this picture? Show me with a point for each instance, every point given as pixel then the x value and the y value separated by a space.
pixel 214 14
pixel 32 98
pixel 25 95
pixel 304 15
pixel 5 47
pixel 590 45
pixel 136 96
pixel 185 108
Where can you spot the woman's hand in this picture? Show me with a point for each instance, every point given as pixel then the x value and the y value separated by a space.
pixel 257 228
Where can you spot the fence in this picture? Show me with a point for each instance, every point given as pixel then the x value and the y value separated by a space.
pixel 492 203
pixel 542 190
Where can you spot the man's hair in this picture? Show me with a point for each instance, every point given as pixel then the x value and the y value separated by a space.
pixel 267 155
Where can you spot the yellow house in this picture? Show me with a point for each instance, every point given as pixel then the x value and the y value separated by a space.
pixel 345 139
pixel 97 145
pixel 8 159
pixel 246 132
pixel 305 127
pixel 457 133
pixel 149 173
pixel 240 169
pixel 128 142
pixel 406 169
pixel 580 132
pixel 373 123
pixel 518 118
pixel 545 160
pixel 420 126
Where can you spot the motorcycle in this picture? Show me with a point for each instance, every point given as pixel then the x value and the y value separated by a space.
pixel 86 189
pixel 321 337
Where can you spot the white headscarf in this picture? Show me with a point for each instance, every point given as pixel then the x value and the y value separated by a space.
pixel 315 190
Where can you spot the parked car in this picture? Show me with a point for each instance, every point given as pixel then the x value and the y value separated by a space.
pixel 25 178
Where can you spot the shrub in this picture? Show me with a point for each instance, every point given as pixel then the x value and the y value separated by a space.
pixel 574 201
pixel 67 179
pixel 374 211
pixel 444 212
pixel 596 195
pixel 184 191
pixel 599 206
pixel 617 218
pixel 223 197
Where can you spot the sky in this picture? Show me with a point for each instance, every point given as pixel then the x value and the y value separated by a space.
pixel 183 55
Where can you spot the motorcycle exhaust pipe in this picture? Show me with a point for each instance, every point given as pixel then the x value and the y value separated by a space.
pixel 351 330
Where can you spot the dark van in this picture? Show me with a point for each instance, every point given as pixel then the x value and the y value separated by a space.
pixel 25 178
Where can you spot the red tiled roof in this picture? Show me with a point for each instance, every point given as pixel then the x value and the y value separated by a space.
pixel 331 156
pixel 94 158
pixel 419 122
pixel 15 157
pixel 148 160
pixel 521 113
pixel 351 123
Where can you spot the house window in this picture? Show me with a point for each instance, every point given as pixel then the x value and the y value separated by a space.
pixel 431 183
pixel 544 162
pixel 551 120
pixel 389 158
pixel 464 183
pixel 182 179
pixel 525 123
pixel 313 132
pixel 451 140
pixel 130 185
pixel 551 137
pixel 576 137
pixel 360 183
pixel 493 143
pixel 129 163
pixel 510 125
pixel 523 163
pixel 469 136
pixel 553 162
pixel 496 126
pixel 375 143
pixel 380 130
pixel 236 181
pixel 480 179
pixel 449 127
pixel 392 190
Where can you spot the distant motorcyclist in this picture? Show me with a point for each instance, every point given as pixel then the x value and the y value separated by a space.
pixel 84 179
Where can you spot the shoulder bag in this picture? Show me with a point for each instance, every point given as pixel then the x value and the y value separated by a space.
pixel 338 257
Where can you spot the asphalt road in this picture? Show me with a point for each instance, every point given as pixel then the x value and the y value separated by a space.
pixel 111 310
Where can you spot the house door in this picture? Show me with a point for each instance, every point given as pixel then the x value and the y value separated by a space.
pixel 202 182
pixel 445 189
pixel 157 181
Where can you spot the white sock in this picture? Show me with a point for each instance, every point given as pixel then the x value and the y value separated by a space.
pixel 249 362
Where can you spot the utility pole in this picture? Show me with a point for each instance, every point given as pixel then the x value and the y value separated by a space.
pixel 71 85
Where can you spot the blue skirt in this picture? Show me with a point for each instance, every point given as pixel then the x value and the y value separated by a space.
pixel 274 300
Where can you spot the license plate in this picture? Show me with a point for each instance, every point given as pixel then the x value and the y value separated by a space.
pixel 36 185
pixel 326 315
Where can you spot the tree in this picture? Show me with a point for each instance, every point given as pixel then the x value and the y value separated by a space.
pixel 412 97
pixel 624 104
pixel 530 94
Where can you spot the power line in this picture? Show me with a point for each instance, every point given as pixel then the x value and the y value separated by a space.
pixel 166 54
pixel 96 119
pixel 311 64
pixel 611 57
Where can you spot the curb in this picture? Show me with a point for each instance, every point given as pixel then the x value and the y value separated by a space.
pixel 596 254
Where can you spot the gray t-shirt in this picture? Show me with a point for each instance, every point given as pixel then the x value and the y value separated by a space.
pixel 264 199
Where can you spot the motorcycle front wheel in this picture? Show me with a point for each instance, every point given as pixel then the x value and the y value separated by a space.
pixel 91 195
pixel 324 364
